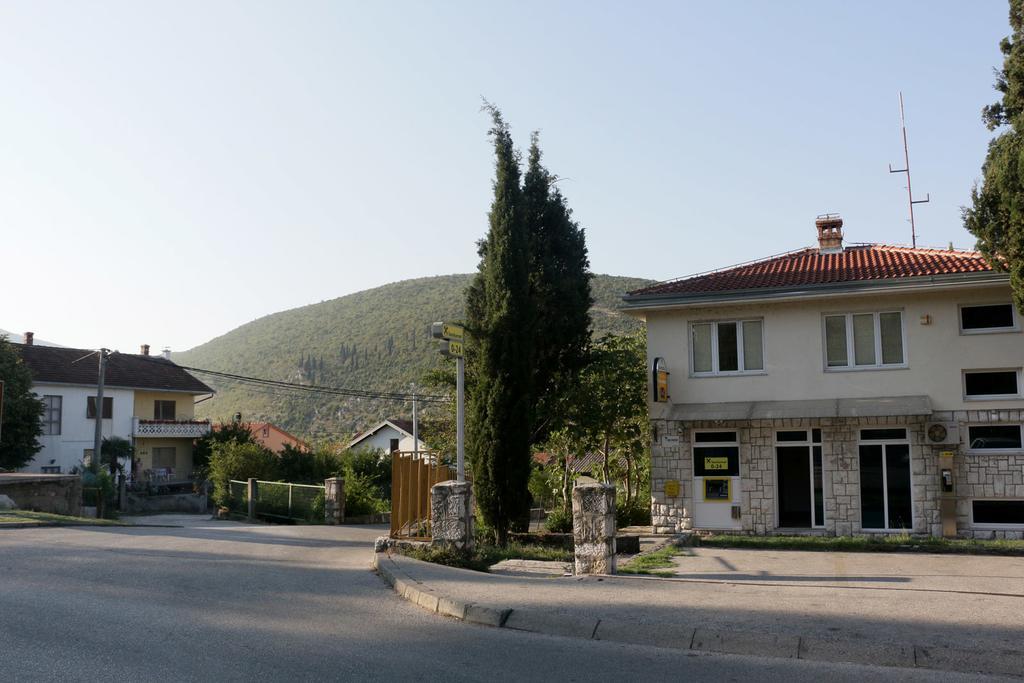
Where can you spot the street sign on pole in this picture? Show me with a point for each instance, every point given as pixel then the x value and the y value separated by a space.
pixel 451 336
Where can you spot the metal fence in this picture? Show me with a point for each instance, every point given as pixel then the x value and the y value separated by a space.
pixel 412 475
pixel 280 500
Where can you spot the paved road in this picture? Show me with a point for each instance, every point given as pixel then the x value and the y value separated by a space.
pixel 226 601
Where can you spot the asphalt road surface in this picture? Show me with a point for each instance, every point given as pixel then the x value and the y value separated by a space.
pixel 232 602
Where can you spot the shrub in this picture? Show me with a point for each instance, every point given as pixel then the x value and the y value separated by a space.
pixel 637 513
pixel 97 485
pixel 239 461
pixel 559 522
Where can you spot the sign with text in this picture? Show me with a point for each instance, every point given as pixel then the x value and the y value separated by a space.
pixel 447 331
pixel 452 349
pixel 716 463
pixel 671 488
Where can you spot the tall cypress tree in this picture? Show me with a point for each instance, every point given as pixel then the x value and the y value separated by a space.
pixel 499 318
pixel 560 292
pixel 996 216
pixel 22 411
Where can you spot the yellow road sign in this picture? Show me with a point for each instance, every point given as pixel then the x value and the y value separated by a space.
pixel 452 331
pixel 452 349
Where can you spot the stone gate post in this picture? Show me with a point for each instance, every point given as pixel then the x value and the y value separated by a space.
pixel 451 515
pixel 334 500
pixel 593 527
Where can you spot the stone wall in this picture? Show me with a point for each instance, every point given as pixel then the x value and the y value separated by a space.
pixel 57 493
pixel 671 458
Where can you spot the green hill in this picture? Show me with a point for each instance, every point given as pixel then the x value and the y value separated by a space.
pixel 378 339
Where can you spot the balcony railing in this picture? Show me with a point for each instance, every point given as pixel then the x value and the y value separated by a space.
pixel 171 429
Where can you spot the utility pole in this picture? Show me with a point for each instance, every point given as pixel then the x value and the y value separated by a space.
pixel 460 417
pixel 906 169
pixel 451 336
pixel 415 427
pixel 97 442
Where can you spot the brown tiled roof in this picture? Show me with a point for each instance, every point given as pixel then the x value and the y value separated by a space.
pixel 57 365
pixel 812 267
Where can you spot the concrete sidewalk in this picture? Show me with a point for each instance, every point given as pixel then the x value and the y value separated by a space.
pixel 936 625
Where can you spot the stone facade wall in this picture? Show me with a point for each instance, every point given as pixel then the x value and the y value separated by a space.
pixel 975 475
pixel 56 493
pixel 195 503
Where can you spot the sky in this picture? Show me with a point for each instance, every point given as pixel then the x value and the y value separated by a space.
pixel 170 171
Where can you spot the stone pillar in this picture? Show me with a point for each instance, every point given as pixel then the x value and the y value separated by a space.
pixel 334 500
pixel 593 527
pixel 451 515
pixel 251 493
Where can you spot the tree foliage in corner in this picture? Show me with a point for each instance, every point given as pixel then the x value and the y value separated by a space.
pixel 22 416
pixel 499 319
pixel 996 216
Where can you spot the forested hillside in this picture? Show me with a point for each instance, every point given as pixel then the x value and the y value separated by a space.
pixel 377 339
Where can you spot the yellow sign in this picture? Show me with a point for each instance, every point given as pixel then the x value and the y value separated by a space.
pixel 716 463
pixel 452 331
pixel 662 387
pixel 452 349
pixel 672 488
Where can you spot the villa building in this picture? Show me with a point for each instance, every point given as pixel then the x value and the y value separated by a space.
pixel 838 390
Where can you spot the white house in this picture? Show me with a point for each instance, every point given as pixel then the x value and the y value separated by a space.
pixel 146 400
pixel 389 436
pixel 838 390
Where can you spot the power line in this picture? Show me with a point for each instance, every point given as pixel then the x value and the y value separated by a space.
pixel 312 388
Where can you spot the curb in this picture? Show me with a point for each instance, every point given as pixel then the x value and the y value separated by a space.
pixel 700 639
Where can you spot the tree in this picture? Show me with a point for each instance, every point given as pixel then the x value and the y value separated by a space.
pixel 225 432
pixel 22 416
pixel 499 319
pixel 612 403
pixel 114 450
pixel 560 296
pixel 996 216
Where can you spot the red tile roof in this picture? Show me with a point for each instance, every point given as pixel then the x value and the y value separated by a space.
pixel 809 266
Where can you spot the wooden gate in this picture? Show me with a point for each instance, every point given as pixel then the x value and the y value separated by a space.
pixel 412 475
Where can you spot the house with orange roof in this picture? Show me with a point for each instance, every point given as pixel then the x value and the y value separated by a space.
pixel 272 437
pixel 838 389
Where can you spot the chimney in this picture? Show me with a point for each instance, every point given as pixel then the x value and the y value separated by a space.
pixel 29 338
pixel 166 353
pixel 144 350
pixel 830 233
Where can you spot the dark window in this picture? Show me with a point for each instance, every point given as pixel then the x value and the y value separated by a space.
pixel 998 511
pixel 791 436
pixel 715 437
pixel 872 490
pixel 716 489
pixel 885 501
pixel 52 408
pixel 716 461
pixel 816 435
pixel 878 434
pixel 1001 383
pixel 986 317
pixel 728 356
pixel 163 410
pixel 108 408
pixel 394 445
pixel 994 437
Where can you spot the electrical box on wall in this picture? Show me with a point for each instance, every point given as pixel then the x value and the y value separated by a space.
pixel 942 433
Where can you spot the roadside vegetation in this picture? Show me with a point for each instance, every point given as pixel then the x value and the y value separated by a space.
pixel 653 563
pixel 485 556
pixel 899 543
pixel 22 518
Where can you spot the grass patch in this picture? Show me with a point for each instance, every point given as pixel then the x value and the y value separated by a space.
pixel 651 563
pixel 483 556
pixel 899 543
pixel 16 518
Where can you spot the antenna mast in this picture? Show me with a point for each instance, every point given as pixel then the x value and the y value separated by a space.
pixel 906 169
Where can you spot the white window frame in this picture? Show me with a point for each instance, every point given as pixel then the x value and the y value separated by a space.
pixel 851 351
pixel 48 411
pixel 990 525
pixel 988 330
pixel 810 444
pixel 885 475
pixel 990 397
pixel 992 451
pixel 715 372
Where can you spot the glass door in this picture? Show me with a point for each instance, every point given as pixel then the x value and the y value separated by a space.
pixel 885 492
pixel 799 479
